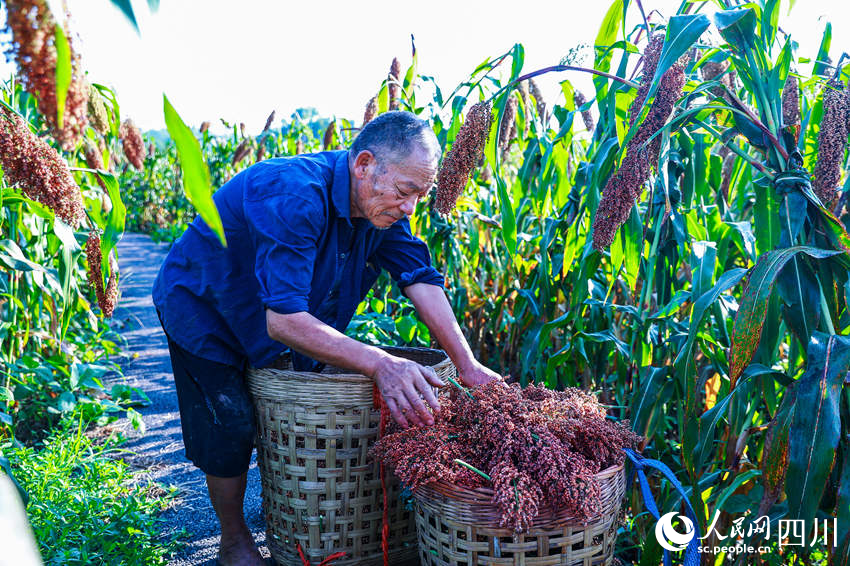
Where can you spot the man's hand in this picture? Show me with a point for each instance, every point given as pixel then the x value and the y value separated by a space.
pixel 476 374
pixel 403 384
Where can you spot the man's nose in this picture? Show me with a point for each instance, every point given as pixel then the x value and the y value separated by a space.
pixel 408 206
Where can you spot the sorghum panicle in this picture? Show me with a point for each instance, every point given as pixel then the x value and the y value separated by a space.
pixel 507 130
pixel 458 163
pixel 94 159
pixel 328 138
pixel 269 121
pixel 538 98
pixel 106 298
pixel 393 83
pixel 33 45
pixel 241 152
pixel 580 100
pixel 98 115
pixel 133 144
pixel 371 110
pixel 625 186
pixel 39 170
pixel 832 140
pixel 791 102
pixel 205 126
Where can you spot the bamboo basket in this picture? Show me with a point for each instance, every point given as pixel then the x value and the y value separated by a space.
pixel 321 490
pixel 460 526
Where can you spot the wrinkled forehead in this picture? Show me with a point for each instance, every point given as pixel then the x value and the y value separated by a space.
pixel 419 169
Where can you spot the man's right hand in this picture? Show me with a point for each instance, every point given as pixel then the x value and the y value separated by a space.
pixel 403 385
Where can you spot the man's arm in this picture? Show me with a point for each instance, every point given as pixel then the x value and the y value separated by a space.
pixel 434 309
pixel 403 383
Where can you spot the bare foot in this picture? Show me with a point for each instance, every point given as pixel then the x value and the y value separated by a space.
pixel 239 550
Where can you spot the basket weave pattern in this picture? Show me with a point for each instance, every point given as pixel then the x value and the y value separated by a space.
pixel 460 527
pixel 321 490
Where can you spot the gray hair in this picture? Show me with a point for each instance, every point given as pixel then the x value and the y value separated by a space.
pixel 393 136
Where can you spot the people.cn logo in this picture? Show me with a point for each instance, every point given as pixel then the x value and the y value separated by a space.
pixel 670 538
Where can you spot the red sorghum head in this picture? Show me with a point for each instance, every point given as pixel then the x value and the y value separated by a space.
pixel 832 140
pixel 580 100
pixel 133 144
pixel 328 138
pixel 507 129
pixel 38 169
pixel 791 102
pixel 241 152
pixel 393 86
pixel 371 110
pixel 98 115
pixel 625 185
pixel 205 126
pixel 458 163
pixel 106 298
pixel 33 45
pixel 269 121
pixel 538 98
pixel 539 447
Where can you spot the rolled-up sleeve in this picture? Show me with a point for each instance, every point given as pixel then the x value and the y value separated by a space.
pixel 406 257
pixel 285 228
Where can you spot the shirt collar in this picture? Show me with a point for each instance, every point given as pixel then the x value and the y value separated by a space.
pixel 340 189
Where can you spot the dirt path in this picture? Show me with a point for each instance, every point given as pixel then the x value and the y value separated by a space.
pixel 160 449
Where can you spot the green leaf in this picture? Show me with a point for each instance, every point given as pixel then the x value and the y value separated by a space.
pixel 647 407
pixel 66 402
pixel 406 327
pixel 63 73
pixel 816 423
pixel 12 257
pixel 738 27
pixel 605 38
pixel 127 8
pixel 770 21
pixel 842 508
pixel 196 176
pixel 821 66
pixel 753 308
pixel 114 228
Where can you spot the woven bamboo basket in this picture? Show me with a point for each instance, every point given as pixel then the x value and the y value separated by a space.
pixel 321 490
pixel 460 526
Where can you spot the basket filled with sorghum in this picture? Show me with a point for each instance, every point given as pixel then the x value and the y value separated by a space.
pixel 323 494
pixel 510 475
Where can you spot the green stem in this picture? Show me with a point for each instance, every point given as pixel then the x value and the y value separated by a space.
pixel 459 386
pixel 473 468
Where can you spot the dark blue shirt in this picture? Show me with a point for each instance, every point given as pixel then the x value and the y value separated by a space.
pixel 292 246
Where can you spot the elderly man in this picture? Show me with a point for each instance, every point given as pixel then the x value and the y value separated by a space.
pixel 307 237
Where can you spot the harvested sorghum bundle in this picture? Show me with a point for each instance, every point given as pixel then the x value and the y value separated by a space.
pixel 626 184
pixel 466 150
pixel 538 446
pixel 832 140
pixel 33 30
pixel 133 144
pixel 38 169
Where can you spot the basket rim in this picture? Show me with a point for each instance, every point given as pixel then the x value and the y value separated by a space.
pixel 444 487
pixel 313 377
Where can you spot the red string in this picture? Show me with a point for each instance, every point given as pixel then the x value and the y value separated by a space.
pixel 378 403
pixel 324 562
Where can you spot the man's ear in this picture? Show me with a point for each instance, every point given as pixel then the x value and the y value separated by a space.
pixel 364 163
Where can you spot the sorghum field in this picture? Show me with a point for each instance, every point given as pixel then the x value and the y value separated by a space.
pixel 674 242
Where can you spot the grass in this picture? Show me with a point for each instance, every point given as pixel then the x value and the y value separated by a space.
pixel 88 507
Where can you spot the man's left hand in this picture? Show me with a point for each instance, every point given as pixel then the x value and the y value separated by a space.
pixel 476 374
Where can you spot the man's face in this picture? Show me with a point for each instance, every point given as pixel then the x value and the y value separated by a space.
pixel 389 191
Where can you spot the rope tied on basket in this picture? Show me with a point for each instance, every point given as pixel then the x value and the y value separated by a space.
pixel 324 562
pixel 379 404
pixel 640 465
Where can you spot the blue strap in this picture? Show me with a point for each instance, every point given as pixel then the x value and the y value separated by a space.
pixel 640 464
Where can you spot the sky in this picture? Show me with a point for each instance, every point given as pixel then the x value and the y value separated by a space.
pixel 241 60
